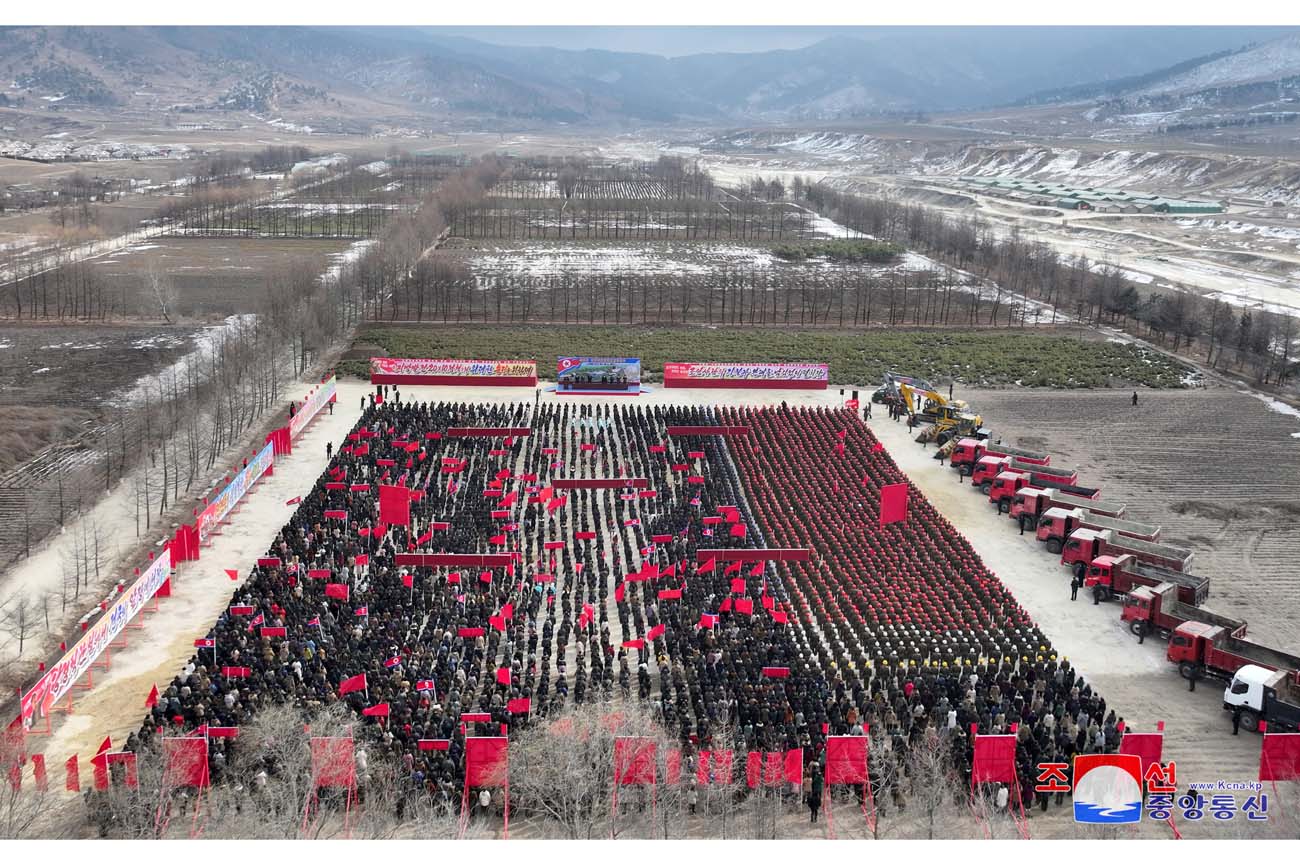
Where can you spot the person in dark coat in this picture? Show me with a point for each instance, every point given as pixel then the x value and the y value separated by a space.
pixel 815 792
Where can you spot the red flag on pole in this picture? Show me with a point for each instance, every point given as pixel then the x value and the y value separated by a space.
pixel 893 503
pixel 232 573
pixel 152 700
pixel 380 710
pixel 352 684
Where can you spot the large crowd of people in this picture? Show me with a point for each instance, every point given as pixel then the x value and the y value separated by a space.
pixel 896 628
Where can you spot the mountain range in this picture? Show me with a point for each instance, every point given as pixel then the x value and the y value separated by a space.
pixel 351 76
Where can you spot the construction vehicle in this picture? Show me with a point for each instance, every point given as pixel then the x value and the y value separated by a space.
pixel 1202 650
pixel 1116 576
pixel 946 418
pixel 1056 524
pixel 1002 489
pixel 1031 502
pixel 1085 545
pixel 965 453
pixel 1265 696
pixel 888 392
pixel 1041 476
pixel 1160 609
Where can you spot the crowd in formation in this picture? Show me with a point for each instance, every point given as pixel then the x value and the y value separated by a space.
pixel 899 628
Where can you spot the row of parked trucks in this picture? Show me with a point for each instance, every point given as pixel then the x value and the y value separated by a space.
pixel 1121 559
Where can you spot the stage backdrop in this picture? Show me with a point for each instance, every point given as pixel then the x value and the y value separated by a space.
pixel 741 375
pixel 66 671
pixel 430 371
pixel 210 518
pixel 579 375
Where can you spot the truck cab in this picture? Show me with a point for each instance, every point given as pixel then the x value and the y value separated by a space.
pixel 1081 548
pixel 1055 525
pixel 1029 503
pixel 966 452
pixel 1101 574
pixel 1267 698
pixel 1187 647
pixel 1002 489
pixel 1139 607
pixel 986 468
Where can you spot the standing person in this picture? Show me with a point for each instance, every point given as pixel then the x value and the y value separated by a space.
pixel 868 409
pixel 1236 719
pixel 1135 398
pixel 1075 583
pixel 292 409
pixel 329 450
pixel 815 792
pixel 331 405
pixel 949 390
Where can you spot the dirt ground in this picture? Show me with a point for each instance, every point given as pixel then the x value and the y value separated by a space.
pixel 1215 468
pixel 212 277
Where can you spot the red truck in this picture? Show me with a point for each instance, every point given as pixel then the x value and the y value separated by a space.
pixel 1111 576
pixel 969 451
pixel 1002 489
pixel 1160 609
pixel 988 467
pixel 1201 649
pixel 1085 545
pixel 1056 524
pixel 1031 502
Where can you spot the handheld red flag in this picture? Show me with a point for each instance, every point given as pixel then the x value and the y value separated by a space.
pixel 352 684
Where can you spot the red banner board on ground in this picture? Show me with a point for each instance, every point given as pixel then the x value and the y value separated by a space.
pixel 634 761
pixel 1279 758
pixel 394 505
pixel 746 375
pixel 846 760
pixel 185 762
pixel 995 758
pixel 332 762
pixel 487 761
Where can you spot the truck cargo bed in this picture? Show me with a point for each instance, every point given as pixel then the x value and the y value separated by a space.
pixel 1257 654
pixel 1130 528
pixel 1186 613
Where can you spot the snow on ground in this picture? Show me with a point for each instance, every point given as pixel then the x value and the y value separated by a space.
pixel 831 229
pixel 1276 406
pixel 204 341
pixel 668 258
pixel 340 260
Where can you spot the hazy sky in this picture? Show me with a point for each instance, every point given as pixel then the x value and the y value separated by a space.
pixel 666 41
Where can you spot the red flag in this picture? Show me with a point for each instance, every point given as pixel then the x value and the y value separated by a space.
pixel 315 620
pixel 519 705
pixel 204 643
pixel 732 568
pixel 757 569
pixel 635 643
pixel 776 673
pixel 364 610
pixel 893 503
pixel 232 573
pixel 877 447
pixel 503 676
pixel 274 631
pixel 738 530
pixel 152 700
pixel 293 501
pixel 738 584
pixel 380 710
pixel 235 672
pixel 670 593
pixel 745 606
pixel 392 662
pixel 585 617
pixel 852 404
pixel 363 559
pixel 708 620
pixel 780 616
pixel 352 684
pixel 707 566
pixel 476 631
pixel 336 590
pixel 256 621
pixel 73 780
pixel 655 632
pixel 620 591
pixel 434 745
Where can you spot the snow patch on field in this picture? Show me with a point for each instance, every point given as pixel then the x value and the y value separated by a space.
pixel 203 341
pixel 350 256
pixel 1276 406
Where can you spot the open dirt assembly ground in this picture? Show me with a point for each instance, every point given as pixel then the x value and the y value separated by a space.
pixel 1136 680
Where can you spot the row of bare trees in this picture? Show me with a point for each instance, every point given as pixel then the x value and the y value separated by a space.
pixel 1258 342
pixel 442 289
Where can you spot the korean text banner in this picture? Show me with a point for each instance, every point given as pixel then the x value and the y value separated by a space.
pixel 744 375
pixel 315 401
pixel 210 518
pixel 66 671
pixel 445 371
pixel 598 375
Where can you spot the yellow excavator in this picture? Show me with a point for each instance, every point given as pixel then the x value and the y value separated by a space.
pixel 945 419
